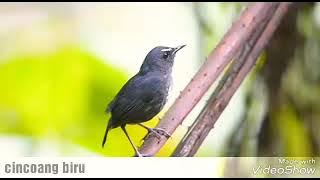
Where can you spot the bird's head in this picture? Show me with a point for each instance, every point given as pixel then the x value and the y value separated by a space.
pixel 160 58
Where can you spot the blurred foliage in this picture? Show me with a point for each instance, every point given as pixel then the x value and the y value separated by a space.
pixel 210 21
pixel 291 131
pixel 61 95
pixel 282 117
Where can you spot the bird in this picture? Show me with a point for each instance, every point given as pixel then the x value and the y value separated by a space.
pixel 144 95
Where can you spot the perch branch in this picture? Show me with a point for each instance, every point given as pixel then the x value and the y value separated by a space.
pixel 205 121
pixel 219 58
pixel 227 87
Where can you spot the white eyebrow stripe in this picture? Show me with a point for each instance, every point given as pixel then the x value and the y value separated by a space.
pixel 169 49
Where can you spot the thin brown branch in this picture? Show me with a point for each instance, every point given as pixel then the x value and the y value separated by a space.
pixel 206 121
pixel 219 58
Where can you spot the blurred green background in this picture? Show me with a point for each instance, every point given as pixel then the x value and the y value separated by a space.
pixel 62 63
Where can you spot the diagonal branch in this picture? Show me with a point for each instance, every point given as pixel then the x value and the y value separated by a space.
pixel 220 57
pixel 227 87
pixel 206 119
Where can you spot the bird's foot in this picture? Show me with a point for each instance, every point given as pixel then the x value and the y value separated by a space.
pixel 160 132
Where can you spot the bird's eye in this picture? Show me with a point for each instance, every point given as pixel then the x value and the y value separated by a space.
pixel 165 55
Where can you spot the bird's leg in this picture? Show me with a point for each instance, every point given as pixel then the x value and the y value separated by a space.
pixel 131 142
pixel 157 131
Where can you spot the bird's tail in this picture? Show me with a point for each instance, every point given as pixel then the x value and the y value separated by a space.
pixel 106 133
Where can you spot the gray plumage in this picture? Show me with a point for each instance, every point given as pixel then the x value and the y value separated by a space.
pixel 145 94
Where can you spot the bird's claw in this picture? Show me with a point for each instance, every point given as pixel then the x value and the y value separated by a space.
pixel 161 132
pixel 158 132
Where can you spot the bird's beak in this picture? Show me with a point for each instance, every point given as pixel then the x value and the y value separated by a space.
pixel 178 48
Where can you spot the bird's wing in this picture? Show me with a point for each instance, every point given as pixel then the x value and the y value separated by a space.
pixel 134 98
pixel 112 103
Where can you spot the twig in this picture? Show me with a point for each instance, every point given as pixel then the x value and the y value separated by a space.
pixel 206 121
pixel 235 38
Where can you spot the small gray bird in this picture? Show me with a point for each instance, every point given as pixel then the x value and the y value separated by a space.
pixel 144 95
